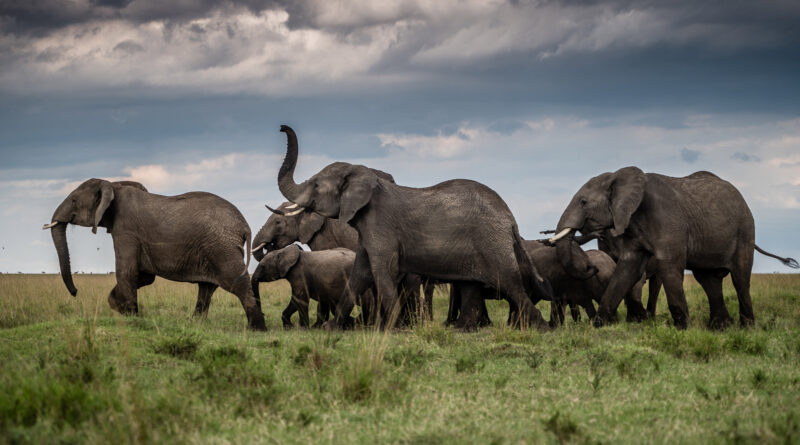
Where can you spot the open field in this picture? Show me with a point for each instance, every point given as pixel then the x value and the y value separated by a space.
pixel 72 371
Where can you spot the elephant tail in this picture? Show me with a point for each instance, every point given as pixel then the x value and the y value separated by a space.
pixel 789 262
pixel 536 287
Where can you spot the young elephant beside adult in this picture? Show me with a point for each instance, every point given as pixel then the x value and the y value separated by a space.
pixel 443 232
pixel 287 225
pixel 570 289
pixel 196 237
pixel 699 222
pixel 318 275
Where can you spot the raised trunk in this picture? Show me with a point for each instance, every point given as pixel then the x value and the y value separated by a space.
pixel 290 189
pixel 59 234
pixel 574 259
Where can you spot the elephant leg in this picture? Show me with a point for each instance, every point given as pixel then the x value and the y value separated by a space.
pixel 124 297
pixel 286 315
pixel 323 309
pixel 409 296
pixel 513 314
pixel 628 271
pixel 633 303
pixel 368 306
pixel 556 313
pixel 357 284
pixel 740 275
pixel 429 288
pixel 591 313
pixel 528 316
pixel 204 292
pixel 454 308
pixel 575 312
pixel 301 303
pixel 483 319
pixel 388 301
pixel 654 288
pixel 676 299
pixel 242 288
pixel 719 318
pixel 471 305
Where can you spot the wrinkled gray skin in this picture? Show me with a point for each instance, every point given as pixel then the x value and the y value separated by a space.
pixel 699 222
pixel 196 237
pixel 319 275
pixel 575 291
pixel 321 233
pixel 441 231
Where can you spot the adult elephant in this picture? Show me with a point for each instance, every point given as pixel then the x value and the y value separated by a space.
pixel 442 232
pixel 196 237
pixel 699 222
pixel 287 225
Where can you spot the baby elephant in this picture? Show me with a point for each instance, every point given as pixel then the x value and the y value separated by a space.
pixel 320 275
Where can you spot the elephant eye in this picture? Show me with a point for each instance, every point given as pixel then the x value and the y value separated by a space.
pixel 583 202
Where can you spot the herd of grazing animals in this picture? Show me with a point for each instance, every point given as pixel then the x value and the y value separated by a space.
pixel 374 243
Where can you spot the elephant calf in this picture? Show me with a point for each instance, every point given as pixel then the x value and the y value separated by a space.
pixel 196 237
pixel 319 275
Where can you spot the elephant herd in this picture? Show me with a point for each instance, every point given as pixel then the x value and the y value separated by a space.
pixel 374 243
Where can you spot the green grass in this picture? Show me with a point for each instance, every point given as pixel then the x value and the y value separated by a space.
pixel 73 371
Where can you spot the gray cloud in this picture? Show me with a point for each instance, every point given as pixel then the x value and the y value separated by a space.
pixel 744 157
pixel 689 155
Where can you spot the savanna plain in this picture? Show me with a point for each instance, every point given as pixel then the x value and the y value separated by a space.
pixel 72 371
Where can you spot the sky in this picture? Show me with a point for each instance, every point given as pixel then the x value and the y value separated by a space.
pixel 531 98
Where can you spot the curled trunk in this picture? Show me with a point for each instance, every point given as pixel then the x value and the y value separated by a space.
pixel 59 234
pixel 286 184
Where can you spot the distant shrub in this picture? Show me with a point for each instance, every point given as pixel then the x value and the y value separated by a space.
pixel 562 427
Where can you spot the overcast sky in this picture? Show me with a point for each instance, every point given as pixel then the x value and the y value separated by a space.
pixel 531 98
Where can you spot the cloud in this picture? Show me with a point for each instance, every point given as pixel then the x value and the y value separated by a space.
pixel 282 47
pixel 744 157
pixel 689 155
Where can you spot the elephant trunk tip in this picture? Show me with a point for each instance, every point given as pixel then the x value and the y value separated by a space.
pixel 791 262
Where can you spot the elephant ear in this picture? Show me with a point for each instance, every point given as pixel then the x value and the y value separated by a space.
pixel 356 192
pixel 287 259
pixel 310 224
pixel 106 196
pixel 627 191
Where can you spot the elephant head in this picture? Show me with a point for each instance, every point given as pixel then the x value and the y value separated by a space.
pixel 284 227
pixel 86 206
pixel 277 264
pixel 338 191
pixel 605 205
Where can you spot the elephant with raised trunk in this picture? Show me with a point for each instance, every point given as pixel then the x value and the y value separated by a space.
pixel 458 231
pixel 317 275
pixel 699 222
pixel 287 225
pixel 196 237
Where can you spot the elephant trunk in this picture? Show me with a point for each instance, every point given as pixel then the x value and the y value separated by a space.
pixel 572 218
pixel 574 259
pixel 59 234
pixel 290 189
pixel 260 242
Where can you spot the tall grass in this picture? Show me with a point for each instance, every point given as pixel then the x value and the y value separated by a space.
pixel 74 371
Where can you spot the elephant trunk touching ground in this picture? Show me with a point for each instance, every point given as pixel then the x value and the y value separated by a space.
pixel 59 234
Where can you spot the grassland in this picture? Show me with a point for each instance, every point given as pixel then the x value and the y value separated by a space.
pixel 71 371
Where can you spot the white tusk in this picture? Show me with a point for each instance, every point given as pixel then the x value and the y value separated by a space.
pixel 258 247
pixel 296 212
pixel 292 206
pixel 50 226
pixel 559 235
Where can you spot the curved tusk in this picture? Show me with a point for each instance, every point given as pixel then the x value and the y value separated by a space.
pixel 292 206
pixel 258 247
pixel 277 212
pixel 560 235
pixel 50 226
pixel 296 212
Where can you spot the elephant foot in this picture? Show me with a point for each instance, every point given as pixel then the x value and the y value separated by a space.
pixel 465 326
pixel 636 314
pixel 339 324
pixel 720 323
pixel 747 322
pixel 318 324
pixel 604 317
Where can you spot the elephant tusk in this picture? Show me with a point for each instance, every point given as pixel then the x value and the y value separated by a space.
pixel 277 212
pixel 296 212
pixel 292 206
pixel 258 247
pixel 560 235
pixel 50 226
